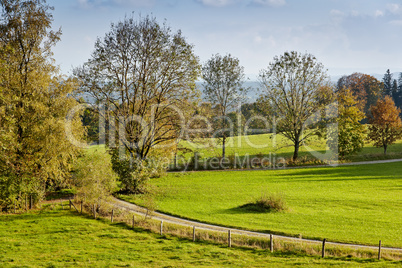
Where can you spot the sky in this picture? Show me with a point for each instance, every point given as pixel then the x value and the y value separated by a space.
pixel 346 36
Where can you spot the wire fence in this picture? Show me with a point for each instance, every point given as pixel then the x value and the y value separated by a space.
pixel 137 217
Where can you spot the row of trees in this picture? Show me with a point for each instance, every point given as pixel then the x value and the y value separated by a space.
pixel 144 76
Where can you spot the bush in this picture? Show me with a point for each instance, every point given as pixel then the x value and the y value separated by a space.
pixel 267 203
pixel 94 178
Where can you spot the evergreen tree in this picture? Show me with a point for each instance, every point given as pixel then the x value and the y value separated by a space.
pixel 387 80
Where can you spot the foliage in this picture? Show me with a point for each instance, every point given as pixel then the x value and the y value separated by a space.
pixel 296 89
pixel 145 76
pixel 385 124
pixel 35 152
pixel 134 172
pixel 365 88
pixel 350 132
pixel 223 86
pixel 94 179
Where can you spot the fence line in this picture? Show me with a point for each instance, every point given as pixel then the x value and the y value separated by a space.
pixel 273 241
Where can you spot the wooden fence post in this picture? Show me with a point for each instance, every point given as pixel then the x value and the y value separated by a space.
pixel 193 233
pixel 271 243
pixel 161 227
pixel 69 199
pixel 94 211
pixel 323 247
pixel 111 217
pixel 72 204
pixel 229 239
pixel 81 206
pixel 133 220
pixel 379 251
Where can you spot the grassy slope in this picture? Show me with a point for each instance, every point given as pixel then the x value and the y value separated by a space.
pixel 265 144
pixel 360 204
pixel 64 239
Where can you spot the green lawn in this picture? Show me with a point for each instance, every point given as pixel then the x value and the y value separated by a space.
pixel 65 239
pixel 357 204
pixel 280 146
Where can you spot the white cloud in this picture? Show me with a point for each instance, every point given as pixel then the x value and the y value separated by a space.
pixel 395 9
pixel 273 3
pixel 396 22
pixel 378 13
pixel 216 3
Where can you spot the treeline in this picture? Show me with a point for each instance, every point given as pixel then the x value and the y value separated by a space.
pixel 142 79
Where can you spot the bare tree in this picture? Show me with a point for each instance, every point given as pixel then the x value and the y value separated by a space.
pixel 296 87
pixel 223 86
pixel 145 75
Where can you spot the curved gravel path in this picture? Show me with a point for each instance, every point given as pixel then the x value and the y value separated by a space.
pixel 210 227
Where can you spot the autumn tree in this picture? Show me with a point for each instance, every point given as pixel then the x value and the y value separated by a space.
pixel 350 133
pixel 35 101
pixel 366 88
pixel 223 86
pixel 296 88
pixel 385 123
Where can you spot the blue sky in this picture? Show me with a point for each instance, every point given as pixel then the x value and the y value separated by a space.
pixel 346 36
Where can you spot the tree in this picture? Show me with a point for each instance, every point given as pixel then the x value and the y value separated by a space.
pixel 296 88
pixel 223 86
pixel 94 179
pixel 366 88
pixel 35 151
pixel 387 80
pixel 350 132
pixel 385 122
pixel 145 76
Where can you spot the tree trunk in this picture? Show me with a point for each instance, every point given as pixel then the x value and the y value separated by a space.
pixel 223 146
pixel 296 151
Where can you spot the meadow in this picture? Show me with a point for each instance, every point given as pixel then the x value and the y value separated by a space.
pixel 269 145
pixel 352 204
pixel 62 238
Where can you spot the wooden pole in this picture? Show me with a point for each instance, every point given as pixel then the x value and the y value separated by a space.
pixel 111 217
pixel 161 227
pixel 71 203
pixel 323 247
pixel 271 243
pixel 133 220
pixel 379 251
pixel 193 233
pixel 229 239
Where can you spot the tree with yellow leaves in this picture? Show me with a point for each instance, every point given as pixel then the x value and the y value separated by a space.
pixel 385 122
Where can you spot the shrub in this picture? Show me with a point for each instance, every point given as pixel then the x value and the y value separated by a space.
pixel 267 203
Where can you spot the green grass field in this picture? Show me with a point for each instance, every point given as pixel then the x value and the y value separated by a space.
pixel 61 238
pixel 280 146
pixel 356 204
